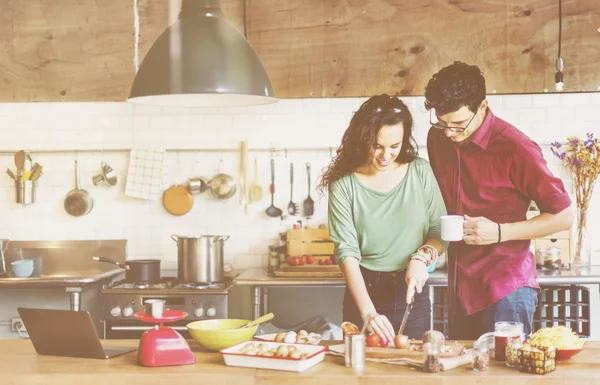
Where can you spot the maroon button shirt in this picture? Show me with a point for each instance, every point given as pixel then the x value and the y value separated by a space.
pixel 496 176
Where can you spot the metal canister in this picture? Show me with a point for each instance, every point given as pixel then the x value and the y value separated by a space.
pixel 354 354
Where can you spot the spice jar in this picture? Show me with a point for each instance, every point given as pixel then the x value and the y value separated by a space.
pixel 481 356
pixel 549 258
pixel 513 344
pixel 432 358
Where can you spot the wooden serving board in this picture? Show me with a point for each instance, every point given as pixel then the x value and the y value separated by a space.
pixel 452 350
pixel 307 271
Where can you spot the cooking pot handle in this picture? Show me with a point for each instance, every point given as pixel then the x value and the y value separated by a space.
pixel 174 237
pixel 221 238
pixel 102 259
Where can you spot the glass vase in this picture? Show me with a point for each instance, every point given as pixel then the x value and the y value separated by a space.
pixel 583 247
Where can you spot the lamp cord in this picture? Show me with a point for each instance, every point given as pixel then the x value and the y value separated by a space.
pixel 559 26
pixel 244 15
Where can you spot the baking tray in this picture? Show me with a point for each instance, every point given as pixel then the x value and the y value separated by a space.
pixel 233 357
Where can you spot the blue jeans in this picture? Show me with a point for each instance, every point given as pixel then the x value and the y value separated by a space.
pixel 518 306
pixel 388 293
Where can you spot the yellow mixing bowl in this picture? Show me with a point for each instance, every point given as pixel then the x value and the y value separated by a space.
pixel 217 334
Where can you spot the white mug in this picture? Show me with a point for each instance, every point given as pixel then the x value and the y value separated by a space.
pixel 452 227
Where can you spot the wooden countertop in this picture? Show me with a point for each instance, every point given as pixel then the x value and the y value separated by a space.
pixel 20 364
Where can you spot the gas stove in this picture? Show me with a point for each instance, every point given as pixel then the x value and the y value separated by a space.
pixel 120 300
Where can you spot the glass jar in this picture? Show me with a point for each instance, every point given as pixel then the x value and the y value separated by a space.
pixel 481 356
pixel 513 344
pixel 503 331
pixel 550 258
pixel 432 358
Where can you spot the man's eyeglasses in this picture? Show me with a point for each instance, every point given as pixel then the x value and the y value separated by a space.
pixel 434 123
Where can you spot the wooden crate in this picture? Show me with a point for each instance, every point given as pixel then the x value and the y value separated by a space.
pixel 315 242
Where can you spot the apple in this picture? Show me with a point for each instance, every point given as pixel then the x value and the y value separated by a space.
pixel 310 259
pixel 329 262
pixel 294 261
pixel 321 261
pixel 297 226
pixel 302 260
pixel 384 343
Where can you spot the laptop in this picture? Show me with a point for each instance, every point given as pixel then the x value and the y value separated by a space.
pixel 66 333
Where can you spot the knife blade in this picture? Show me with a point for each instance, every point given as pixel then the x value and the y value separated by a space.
pixel 405 318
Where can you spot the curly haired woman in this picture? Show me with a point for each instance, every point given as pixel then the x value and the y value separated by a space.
pixel 384 219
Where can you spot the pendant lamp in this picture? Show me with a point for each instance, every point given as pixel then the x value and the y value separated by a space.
pixel 201 60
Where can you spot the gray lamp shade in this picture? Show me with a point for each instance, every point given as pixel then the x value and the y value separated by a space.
pixel 201 60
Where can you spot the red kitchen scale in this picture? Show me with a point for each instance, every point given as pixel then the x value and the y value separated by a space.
pixel 162 345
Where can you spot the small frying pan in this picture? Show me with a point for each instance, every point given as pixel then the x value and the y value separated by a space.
pixel 178 200
pixel 78 202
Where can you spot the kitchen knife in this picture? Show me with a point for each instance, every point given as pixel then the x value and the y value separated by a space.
pixel 405 318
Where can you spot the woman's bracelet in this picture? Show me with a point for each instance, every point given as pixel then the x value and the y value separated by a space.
pixel 428 249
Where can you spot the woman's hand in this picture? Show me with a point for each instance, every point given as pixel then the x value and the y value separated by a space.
pixel 381 325
pixel 416 278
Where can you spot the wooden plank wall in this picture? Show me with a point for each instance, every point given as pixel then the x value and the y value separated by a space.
pixel 83 50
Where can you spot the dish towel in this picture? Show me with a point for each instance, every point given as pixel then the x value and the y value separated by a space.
pixel 144 176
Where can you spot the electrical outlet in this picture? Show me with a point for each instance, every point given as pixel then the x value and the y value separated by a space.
pixel 16 325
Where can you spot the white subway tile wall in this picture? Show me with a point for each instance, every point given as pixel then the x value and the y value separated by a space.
pixel 291 123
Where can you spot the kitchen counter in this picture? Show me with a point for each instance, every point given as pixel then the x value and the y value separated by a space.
pixel 20 364
pixel 260 280
pixel 62 280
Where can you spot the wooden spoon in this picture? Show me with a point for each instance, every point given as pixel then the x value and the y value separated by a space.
pixel 259 320
pixel 256 192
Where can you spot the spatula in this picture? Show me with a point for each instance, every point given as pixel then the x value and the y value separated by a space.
pixel 273 211
pixel 309 204
pixel 259 320
pixel 256 192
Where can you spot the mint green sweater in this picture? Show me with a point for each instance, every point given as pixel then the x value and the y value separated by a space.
pixel 382 230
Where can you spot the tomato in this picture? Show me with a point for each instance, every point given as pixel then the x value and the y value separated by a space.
pixel 384 343
pixel 302 260
pixel 289 259
pixel 401 341
pixel 329 262
pixel 373 340
pixel 294 261
pixel 310 259
pixel 321 261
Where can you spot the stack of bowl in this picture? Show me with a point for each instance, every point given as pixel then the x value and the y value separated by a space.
pixel 22 268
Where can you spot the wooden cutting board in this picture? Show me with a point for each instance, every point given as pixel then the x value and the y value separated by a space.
pixel 287 270
pixel 451 350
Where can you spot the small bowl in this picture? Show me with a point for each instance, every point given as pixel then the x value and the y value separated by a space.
pixel 217 334
pixel 22 268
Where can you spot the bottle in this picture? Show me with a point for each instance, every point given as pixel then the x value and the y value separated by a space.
pixel 432 358
pixel 481 356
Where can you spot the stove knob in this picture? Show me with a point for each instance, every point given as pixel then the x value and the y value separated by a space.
pixel 199 312
pixel 211 312
pixel 128 311
pixel 115 311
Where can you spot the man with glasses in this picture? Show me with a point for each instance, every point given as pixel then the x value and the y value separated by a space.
pixel 489 172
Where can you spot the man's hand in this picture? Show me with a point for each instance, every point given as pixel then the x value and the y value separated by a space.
pixel 480 231
pixel 416 277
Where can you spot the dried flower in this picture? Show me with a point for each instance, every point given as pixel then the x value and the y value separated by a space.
pixel 582 158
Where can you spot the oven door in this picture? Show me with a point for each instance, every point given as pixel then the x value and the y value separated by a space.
pixel 133 329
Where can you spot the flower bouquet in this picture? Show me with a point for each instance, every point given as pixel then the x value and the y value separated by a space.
pixel 582 158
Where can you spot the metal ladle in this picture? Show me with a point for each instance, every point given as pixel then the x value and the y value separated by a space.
pixel 273 211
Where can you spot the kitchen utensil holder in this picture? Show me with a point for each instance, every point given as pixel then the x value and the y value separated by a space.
pixel 26 191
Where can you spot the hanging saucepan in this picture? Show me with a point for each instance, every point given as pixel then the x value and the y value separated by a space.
pixel 137 270
pixel 78 202
pixel 222 185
